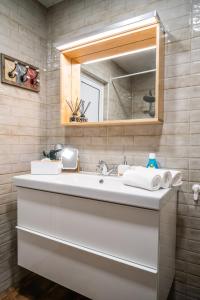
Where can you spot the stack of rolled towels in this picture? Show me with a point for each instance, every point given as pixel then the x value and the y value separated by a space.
pixel 151 179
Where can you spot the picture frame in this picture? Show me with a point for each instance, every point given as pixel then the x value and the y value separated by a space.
pixel 19 74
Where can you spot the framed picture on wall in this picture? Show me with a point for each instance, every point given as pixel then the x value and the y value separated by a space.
pixel 19 74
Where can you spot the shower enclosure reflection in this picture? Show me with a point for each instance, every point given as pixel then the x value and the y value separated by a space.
pixel 120 88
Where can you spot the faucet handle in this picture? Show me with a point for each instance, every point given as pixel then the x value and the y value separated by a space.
pixel 113 170
pixel 101 162
pixel 98 167
pixel 102 167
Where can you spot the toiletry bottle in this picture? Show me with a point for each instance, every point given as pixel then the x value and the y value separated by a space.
pixel 152 163
pixel 122 168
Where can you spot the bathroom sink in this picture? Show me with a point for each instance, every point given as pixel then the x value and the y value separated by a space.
pixel 103 188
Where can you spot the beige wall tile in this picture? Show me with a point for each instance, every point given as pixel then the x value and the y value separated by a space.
pixel 22 112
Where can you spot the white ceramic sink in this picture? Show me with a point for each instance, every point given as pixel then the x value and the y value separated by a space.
pixel 94 186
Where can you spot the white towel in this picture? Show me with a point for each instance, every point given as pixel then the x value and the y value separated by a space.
pixel 176 178
pixel 144 179
pixel 166 176
pixel 169 177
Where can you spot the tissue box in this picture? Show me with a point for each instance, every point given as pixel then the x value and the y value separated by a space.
pixel 49 167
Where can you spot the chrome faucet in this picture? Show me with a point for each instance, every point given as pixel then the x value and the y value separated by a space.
pixel 103 169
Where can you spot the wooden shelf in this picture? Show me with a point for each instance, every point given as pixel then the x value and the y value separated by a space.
pixel 152 121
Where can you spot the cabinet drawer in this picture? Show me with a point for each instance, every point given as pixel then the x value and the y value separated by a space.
pixel 93 276
pixel 118 230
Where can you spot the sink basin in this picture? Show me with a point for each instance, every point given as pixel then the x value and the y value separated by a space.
pixel 103 188
pixel 88 179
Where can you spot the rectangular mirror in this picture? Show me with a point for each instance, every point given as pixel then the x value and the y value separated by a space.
pixel 114 80
pixel 120 88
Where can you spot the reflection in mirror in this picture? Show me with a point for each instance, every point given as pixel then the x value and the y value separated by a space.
pixel 120 88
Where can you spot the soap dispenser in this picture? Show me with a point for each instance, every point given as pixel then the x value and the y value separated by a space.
pixel 122 168
pixel 152 163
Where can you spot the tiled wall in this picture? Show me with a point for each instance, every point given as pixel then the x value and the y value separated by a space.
pixel 22 118
pixel 23 132
pixel 177 142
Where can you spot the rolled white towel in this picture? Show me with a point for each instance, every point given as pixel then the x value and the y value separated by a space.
pixel 166 176
pixel 176 178
pixel 144 179
pixel 169 177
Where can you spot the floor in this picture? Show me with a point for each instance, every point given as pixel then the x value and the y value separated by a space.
pixel 38 288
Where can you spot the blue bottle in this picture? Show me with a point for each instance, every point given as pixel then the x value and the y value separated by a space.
pixel 152 163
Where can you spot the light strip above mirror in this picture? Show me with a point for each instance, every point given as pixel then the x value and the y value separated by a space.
pixel 119 27
pixel 119 55
pixel 134 74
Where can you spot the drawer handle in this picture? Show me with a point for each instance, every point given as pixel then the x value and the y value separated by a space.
pixel 88 250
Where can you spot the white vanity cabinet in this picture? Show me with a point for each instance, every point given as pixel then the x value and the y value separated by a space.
pixel 103 249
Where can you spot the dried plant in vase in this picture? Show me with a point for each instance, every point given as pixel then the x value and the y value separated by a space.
pixel 74 107
pixel 83 110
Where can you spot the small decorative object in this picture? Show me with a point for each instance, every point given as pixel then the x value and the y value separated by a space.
pixel 74 109
pixel 34 77
pixel 83 110
pixel 24 77
pixel 150 99
pixel 60 148
pixel 13 73
pixel 52 155
pixel 78 110
pixel 20 74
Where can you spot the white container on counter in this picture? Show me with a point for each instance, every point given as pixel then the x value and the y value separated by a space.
pixel 46 167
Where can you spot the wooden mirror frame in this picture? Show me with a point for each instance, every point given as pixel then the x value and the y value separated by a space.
pixel 71 59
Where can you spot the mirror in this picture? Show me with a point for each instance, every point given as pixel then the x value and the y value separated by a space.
pixel 115 77
pixel 120 88
pixel 69 158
